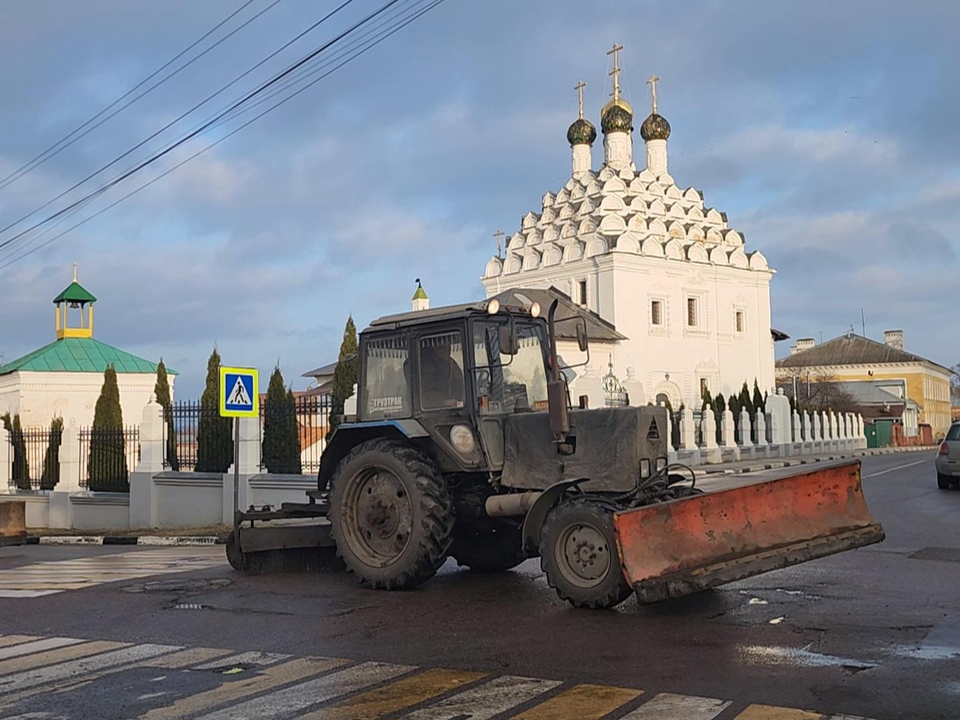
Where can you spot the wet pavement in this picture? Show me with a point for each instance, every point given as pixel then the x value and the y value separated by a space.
pixel 872 633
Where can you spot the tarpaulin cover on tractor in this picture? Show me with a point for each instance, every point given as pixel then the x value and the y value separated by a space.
pixel 680 547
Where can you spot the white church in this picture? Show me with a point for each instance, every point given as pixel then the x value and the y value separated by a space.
pixel 651 259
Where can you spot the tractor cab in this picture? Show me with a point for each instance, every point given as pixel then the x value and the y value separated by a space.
pixel 452 375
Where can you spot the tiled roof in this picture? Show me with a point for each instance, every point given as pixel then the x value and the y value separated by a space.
pixel 75 292
pixel 851 349
pixel 80 355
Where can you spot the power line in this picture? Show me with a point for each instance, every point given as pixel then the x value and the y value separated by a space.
pixel 59 146
pixel 79 204
pixel 171 123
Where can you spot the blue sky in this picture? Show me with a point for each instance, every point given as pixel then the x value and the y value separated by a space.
pixel 826 131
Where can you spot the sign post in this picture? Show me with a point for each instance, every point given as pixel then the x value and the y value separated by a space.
pixel 239 397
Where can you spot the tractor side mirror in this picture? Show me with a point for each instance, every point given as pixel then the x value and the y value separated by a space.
pixel 582 342
pixel 509 345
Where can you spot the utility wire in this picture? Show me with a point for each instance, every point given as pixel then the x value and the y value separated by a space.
pixel 59 146
pixel 370 46
pixel 174 121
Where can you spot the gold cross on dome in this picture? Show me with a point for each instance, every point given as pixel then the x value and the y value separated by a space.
pixel 579 88
pixel 499 236
pixel 652 82
pixel 615 51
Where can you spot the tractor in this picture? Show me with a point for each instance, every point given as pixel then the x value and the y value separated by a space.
pixel 465 444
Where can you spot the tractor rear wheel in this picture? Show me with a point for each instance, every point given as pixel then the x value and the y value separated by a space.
pixel 578 554
pixel 391 514
pixel 487 544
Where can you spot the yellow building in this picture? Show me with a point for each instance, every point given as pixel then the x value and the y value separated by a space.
pixel 852 357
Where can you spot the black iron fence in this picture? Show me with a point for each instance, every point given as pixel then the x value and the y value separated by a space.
pixel 35 457
pixel 293 435
pixel 107 457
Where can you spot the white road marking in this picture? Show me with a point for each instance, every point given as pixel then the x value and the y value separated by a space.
pixel 668 706
pixel 48 578
pixel 485 701
pixel 298 698
pixel 898 467
pixel 248 658
pixel 35 647
pixel 74 668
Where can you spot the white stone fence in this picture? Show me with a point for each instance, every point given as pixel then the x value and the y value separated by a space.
pixel 158 498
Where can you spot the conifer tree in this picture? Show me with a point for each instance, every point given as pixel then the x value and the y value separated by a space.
pixel 733 405
pixel 719 407
pixel 161 392
pixel 345 376
pixel 707 400
pixel 745 400
pixel 21 466
pixel 281 436
pixel 214 436
pixel 107 457
pixel 51 460
pixel 758 401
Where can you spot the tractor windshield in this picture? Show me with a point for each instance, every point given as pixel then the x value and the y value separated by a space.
pixel 504 382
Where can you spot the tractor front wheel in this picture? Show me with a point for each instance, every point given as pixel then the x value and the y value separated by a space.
pixel 391 514
pixel 487 544
pixel 578 553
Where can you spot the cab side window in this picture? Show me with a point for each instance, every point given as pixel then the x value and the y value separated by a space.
pixel 441 371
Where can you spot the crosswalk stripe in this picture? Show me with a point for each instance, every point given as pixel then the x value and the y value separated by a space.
pixel 237 689
pixel 771 712
pixel 396 696
pixel 312 692
pixel 581 702
pixel 82 666
pixel 484 701
pixel 49 657
pixel 14 594
pixel 6 640
pixel 185 658
pixel 246 658
pixel 36 646
pixel 667 706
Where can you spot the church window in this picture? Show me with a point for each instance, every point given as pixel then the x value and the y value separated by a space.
pixel 582 292
pixel 693 312
pixel 656 312
pixel 740 323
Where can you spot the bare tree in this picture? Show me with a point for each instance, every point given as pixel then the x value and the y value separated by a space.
pixel 816 390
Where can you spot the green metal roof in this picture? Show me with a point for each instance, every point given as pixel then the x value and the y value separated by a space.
pixel 75 292
pixel 80 355
pixel 420 294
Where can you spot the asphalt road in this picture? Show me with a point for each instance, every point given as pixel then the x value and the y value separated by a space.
pixel 872 633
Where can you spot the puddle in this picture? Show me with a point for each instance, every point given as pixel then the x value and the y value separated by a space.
pixel 176 586
pixel 941 643
pixel 800 657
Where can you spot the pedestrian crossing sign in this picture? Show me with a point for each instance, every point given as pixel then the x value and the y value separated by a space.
pixel 238 392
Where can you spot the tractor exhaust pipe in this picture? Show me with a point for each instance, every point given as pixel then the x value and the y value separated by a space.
pixel 556 388
pixel 510 505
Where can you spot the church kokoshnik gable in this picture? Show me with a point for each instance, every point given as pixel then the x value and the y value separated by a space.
pixel 666 271
pixel 64 379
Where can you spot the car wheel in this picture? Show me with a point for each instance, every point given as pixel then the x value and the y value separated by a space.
pixel 943 481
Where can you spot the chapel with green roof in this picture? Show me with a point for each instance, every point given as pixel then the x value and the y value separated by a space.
pixel 63 379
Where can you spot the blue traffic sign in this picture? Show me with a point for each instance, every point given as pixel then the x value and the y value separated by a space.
pixel 239 396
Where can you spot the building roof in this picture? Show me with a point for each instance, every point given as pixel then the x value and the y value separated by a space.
pixel 852 349
pixel 80 355
pixel 876 392
pixel 322 371
pixel 75 292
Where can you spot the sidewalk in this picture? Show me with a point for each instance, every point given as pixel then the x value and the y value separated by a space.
pixel 747 466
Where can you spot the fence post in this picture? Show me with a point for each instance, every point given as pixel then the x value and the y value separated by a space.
pixel 797 435
pixel 761 425
pixel 688 440
pixel 671 453
pixel 70 459
pixel 726 429
pixel 746 444
pixel 4 459
pixel 151 439
pixel 633 387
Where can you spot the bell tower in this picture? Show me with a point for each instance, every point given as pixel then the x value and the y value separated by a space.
pixel 74 297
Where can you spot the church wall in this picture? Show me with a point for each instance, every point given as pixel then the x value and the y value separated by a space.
pixel 73 396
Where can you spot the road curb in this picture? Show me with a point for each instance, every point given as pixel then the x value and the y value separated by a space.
pixel 144 540
pixel 760 466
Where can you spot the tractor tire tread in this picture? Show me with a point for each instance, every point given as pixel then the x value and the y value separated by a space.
pixel 435 505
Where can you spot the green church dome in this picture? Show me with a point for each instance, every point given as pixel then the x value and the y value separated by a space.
pixel 655 127
pixel 617 116
pixel 582 132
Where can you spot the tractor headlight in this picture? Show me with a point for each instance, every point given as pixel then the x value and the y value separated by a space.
pixel 493 307
pixel 535 310
pixel 462 439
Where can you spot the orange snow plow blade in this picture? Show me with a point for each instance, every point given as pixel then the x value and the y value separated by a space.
pixel 680 547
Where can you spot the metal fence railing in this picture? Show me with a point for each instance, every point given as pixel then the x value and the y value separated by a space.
pixel 285 427
pixel 196 438
pixel 34 457
pixel 107 457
